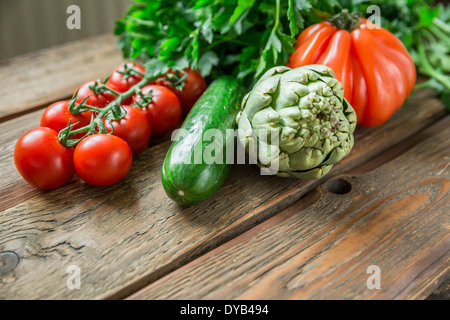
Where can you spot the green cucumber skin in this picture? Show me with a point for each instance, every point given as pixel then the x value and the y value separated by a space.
pixel 185 182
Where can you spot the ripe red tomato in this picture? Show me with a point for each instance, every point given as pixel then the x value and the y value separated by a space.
pixel 57 117
pixel 372 64
pixel 133 128
pixel 163 112
pixel 102 159
pixel 122 84
pixel 100 100
pixel 194 86
pixel 42 161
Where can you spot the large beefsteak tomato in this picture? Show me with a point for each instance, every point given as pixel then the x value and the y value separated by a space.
pixel 373 65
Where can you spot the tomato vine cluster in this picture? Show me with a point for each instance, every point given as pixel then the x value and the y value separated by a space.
pixel 97 133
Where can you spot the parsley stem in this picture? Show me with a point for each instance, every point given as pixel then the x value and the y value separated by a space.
pixel 277 17
pixel 145 23
pixel 428 68
pixel 225 40
pixel 138 35
pixel 441 35
pixel 441 24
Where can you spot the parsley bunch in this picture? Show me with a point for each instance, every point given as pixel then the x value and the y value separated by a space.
pixel 243 38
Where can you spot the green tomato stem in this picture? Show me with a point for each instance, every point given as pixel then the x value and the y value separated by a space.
pixel 114 92
pixel 346 20
pixel 123 96
pixel 67 133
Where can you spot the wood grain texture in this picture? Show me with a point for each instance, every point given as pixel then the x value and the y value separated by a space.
pixel 396 216
pixel 126 236
pixel 441 293
pixel 33 81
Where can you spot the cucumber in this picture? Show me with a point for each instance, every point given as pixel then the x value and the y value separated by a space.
pixel 186 176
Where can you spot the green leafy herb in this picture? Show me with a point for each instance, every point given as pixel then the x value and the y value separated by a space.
pixel 244 38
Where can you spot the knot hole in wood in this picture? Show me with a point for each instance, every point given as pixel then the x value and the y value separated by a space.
pixel 338 186
pixel 8 261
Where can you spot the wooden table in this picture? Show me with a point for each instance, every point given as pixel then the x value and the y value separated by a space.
pixel 386 205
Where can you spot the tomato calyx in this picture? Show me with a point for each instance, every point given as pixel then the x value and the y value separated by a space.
pixel 346 20
pixel 95 127
pixel 128 71
pixel 175 80
pixel 77 108
pixel 99 87
pixel 187 84
pixel 145 99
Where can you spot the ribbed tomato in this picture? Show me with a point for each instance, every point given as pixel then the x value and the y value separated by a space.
pixel 372 64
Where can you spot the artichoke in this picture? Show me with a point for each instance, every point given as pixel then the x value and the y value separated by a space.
pixel 296 122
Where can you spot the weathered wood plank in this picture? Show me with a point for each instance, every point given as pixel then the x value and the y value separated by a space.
pixel 395 217
pixel 32 81
pixel 128 235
